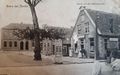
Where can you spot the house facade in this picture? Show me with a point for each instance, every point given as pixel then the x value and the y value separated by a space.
pixel 64 43
pixel 50 47
pixel 67 42
pixel 11 42
pixel 91 23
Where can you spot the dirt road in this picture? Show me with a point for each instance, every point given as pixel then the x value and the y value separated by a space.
pixel 14 59
pixel 12 63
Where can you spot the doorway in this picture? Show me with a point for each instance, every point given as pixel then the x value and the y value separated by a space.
pixel 21 45
pixel 27 45
pixel 53 49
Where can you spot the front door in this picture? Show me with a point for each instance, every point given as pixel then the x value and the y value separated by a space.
pixel 53 49
pixel 21 45
pixel 27 45
pixel 82 43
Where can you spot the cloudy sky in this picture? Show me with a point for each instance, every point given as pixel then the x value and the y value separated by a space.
pixel 51 12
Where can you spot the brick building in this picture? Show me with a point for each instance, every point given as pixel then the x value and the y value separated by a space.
pixel 10 42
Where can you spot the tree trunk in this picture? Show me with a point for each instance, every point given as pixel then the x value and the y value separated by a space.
pixel 37 50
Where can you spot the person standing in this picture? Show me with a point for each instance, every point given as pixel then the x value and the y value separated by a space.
pixel 83 53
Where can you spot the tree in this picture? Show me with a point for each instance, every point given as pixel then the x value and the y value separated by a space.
pixel 37 51
pixel 29 34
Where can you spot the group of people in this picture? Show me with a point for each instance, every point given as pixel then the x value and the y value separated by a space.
pixel 111 55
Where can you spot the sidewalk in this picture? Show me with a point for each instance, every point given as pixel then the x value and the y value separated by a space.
pixel 65 60
pixel 76 60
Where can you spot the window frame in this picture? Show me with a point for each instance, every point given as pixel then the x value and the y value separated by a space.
pixel 86 27
pixel 15 43
pixel 92 40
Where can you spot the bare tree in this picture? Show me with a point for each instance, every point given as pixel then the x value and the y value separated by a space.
pixel 37 51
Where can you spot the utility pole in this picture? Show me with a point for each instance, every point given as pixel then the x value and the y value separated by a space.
pixel 96 38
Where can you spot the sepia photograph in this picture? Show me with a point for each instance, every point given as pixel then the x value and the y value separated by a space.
pixel 59 37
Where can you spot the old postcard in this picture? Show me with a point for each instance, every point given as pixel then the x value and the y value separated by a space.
pixel 59 37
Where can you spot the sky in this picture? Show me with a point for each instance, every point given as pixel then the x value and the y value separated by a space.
pixel 61 13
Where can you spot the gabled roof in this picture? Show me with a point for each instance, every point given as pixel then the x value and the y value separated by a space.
pixel 103 24
pixel 104 21
pixel 18 26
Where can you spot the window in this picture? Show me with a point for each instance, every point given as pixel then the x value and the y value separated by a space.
pixel 119 43
pixel 5 44
pixel 105 43
pixel 86 30
pixel 10 44
pixel 91 41
pixel 79 28
pixel 82 43
pixel 86 27
pixel 56 48
pixel 59 48
pixel 15 44
pixel 44 44
pixel 33 44
pixel 48 44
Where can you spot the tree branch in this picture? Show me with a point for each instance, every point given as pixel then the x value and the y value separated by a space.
pixel 28 2
pixel 35 2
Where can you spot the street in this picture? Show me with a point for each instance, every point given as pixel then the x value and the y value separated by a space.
pixel 10 59
pixel 107 70
pixel 15 63
pixel 12 63
pixel 77 69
